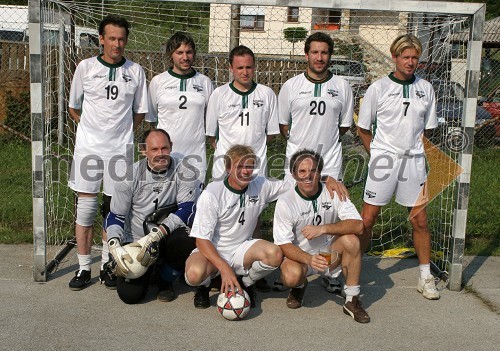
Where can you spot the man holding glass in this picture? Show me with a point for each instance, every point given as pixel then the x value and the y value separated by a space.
pixel 308 221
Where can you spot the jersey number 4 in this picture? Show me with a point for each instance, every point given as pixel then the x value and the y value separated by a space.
pixel 111 92
pixel 241 220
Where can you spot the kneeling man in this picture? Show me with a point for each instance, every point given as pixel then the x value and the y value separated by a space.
pixel 306 220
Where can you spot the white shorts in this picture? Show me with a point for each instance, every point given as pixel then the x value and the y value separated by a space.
pixel 89 171
pixel 389 173
pixel 235 257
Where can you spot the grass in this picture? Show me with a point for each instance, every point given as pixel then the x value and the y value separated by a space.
pixel 482 237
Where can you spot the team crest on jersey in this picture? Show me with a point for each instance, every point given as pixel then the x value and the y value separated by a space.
pixel 126 77
pixel 198 88
pixel 332 92
pixel 258 103
pixel 253 199
pixel 326 205
pixel 370 194
pixel 157 189
pixel 420 93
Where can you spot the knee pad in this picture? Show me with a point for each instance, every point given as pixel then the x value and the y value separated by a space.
pixel 86 208
pixel 106 205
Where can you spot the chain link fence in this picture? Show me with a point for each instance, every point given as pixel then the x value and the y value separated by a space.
pixel 351 50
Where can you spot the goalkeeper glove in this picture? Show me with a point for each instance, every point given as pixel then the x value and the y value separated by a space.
pixel 150 247
pixel 120 255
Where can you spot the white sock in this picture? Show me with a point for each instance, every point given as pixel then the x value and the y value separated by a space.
pixel 425 270
pixel 258 271
pixel 351 291
pixel 104 254
pixel 84 261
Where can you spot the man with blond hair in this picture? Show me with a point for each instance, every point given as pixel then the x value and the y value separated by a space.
pixel 403 106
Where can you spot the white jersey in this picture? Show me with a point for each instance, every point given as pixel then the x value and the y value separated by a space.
pixel 107 95
pixel 178 104
pixel 294 211
pixel 314 112
pixel 246 118
pixel 227 217
pixel 400 111
pixel 149 191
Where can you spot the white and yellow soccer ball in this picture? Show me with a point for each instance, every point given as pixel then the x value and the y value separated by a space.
pixel 233 306
pixel 135 269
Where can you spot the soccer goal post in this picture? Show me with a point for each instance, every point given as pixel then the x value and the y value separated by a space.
pixel 61 34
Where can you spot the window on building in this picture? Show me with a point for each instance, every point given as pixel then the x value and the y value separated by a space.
pixel 334 17
pixel 293 14
pixel 252 18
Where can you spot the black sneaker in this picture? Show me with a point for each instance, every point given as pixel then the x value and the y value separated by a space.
pixel 296 296
pixel 166 291
pixel 80 280
pixel 202 297
pixel 107 277
pixel 250 291
pixel 262 286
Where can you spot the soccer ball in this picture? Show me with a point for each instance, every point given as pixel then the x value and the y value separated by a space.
pixel 135 269
pixel 234 306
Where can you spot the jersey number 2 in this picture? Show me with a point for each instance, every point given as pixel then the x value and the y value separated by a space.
pixel 183 99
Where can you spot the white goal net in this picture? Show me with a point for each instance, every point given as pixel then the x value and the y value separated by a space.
pixel 362 37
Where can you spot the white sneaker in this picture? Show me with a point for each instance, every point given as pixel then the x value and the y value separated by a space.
pixel 333 285
pixel 427 287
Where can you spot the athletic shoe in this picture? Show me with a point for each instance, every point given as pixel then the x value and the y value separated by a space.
pixel 262 286
pixel 356 310
pixel 278 285
pixel 108 278
pixel 80 280
pixel 296 296
pixel 332 284
pixel 250 291
pixel 428 288
pixel 166 291
pixel 201 297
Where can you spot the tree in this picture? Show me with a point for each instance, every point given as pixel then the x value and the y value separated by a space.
pixel 295 35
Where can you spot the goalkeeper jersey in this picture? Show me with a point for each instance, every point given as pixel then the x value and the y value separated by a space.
pixel 178 103
pixel 294 211
pixel 399 111
pixel 149 191
pixel 314 112
pixel 236 117
pixel 108 95
pixel 227 217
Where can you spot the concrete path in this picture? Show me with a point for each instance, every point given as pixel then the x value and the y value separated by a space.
pixel 49 316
